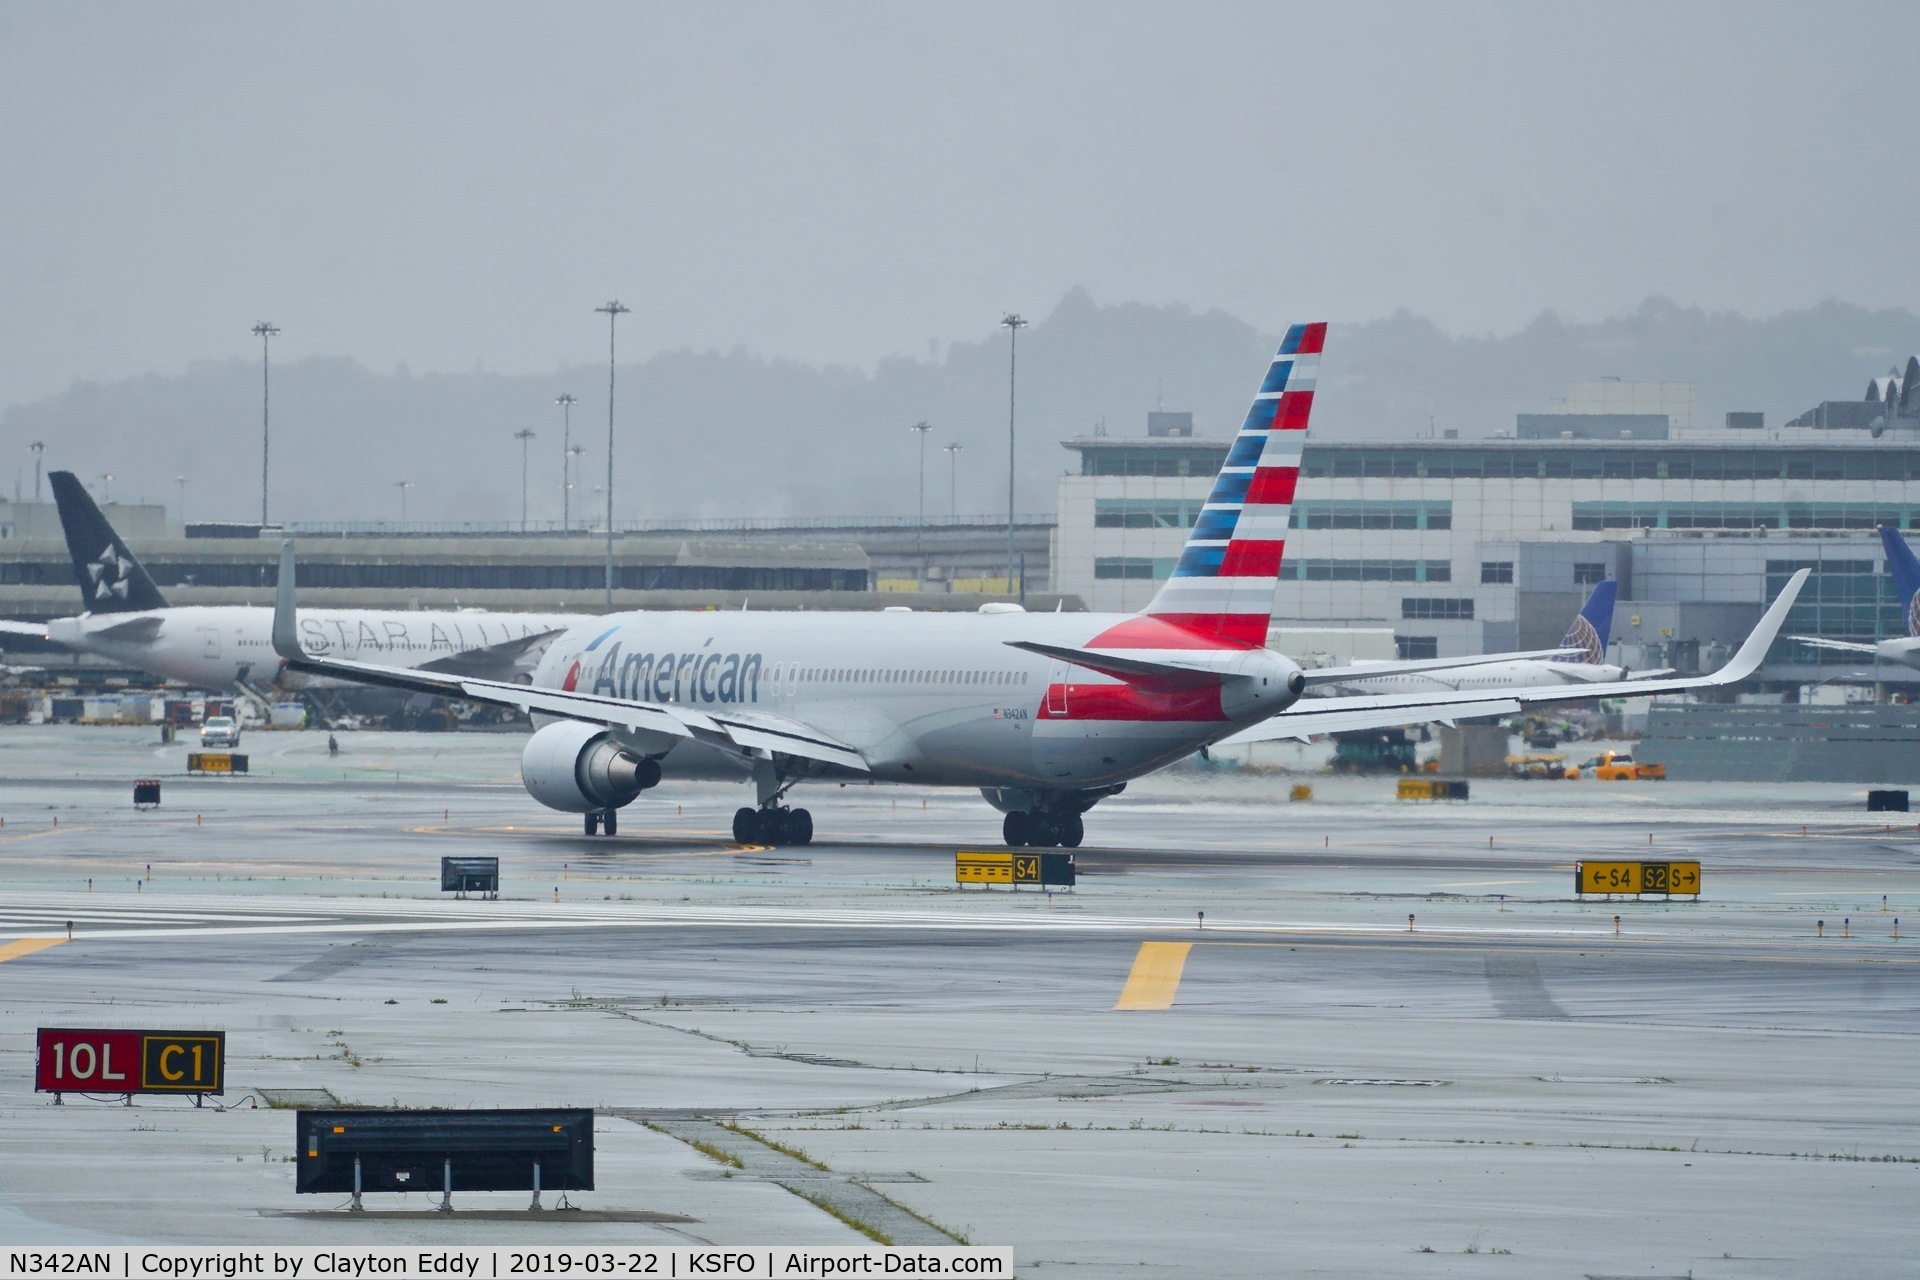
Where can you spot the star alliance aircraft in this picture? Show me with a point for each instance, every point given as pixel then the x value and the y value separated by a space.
pixel 224 646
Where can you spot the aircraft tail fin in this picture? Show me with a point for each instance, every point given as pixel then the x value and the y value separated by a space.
pixel 111 580
pixel 1593 625
pixel 1221 590
pixel 1906 573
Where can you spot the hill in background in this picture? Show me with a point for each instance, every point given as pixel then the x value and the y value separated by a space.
pixel 731 434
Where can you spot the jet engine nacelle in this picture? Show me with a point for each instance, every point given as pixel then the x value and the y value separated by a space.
pixel 579 768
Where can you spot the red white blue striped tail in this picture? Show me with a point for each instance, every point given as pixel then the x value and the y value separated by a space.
pixel 1221 590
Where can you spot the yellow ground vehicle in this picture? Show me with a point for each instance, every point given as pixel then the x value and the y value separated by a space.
pixel 1619 766
pixel 1540 766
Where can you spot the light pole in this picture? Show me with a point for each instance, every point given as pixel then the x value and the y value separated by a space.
pixel 523 435
pixel 265 331
pixel 39 447
pixel 953 478
pixel 106 487
pixel 613 311
pixel 182 482
pixel 403 486
pixel 920 533
pixel 1013 325
pixel 573 451
pixel 566 403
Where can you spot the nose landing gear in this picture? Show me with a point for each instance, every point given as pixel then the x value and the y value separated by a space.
pixel 773 825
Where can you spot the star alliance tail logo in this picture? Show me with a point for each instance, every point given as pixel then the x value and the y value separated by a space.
pixel 1581 635
pixel 109 574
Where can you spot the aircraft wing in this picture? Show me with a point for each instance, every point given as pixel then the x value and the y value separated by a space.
pixel 1331 715
pixel 1843 645
pixel 740 729
pixel 1308 723
pixel 493 661
pixel 141 630
pixel 1374 670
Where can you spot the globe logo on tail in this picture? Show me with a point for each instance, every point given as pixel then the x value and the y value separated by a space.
pixel 1581 635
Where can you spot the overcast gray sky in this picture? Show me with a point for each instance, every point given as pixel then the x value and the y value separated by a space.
pixel 458 185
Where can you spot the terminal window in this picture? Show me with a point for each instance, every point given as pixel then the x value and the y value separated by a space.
pixel 1496 571
pixel 1436 607
pixel 1146 513
pixel 1414 648
pixel 1107 568
pixel 1362 514
pixel 1843 600
pixel 1366 571
pixel 1586 573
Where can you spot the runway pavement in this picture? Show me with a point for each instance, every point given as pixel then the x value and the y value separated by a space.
pixel 1309 1084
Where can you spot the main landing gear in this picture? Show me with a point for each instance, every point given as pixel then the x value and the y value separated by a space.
pixel 1043 829
pixel 775 826
pixel 601 821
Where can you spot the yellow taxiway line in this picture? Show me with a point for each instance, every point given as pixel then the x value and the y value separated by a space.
pixel 1155 977
pixel 26 947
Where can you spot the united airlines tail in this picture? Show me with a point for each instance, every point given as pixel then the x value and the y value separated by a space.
pixel 1906 573
pixel 1222 586
pixel 110 579
pixel 1593 624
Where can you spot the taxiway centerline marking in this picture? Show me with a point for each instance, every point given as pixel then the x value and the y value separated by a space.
pixel 1155 977
pixel 26 947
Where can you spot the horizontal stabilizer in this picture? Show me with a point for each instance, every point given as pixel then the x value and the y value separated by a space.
pixel 38 630
pixel 1127 667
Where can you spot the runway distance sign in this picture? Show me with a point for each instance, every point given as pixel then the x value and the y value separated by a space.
pixel 1636 877
pixel 98 1060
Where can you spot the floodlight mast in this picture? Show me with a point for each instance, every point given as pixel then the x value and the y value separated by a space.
pixel 566 402
pixel 1013 325
pixel 953 479
pixel 265 330
pixel 613 311
pixel 920 533
pixel 523 435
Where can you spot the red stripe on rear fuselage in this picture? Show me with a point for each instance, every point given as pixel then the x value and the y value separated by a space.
pixel 1215 630
pixel 1168 631
pixel 1129 702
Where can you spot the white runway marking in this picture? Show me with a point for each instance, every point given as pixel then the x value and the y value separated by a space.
pixel 183 916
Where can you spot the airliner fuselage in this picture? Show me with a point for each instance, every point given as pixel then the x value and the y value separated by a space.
pixel 215 646
pixel 938 698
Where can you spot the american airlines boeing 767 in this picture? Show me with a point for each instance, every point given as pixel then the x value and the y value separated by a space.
pixel 1047 714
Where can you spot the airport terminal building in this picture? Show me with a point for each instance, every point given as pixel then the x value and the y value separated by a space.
pixel 1470 546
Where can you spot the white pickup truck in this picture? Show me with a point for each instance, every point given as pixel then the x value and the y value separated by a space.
pixel 220 731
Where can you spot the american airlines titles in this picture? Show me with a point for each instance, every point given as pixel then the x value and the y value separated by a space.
pixel 672 677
